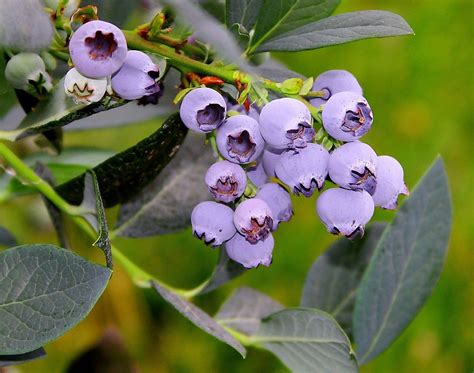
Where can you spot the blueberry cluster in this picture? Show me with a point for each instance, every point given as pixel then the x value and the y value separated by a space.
pixel 277 143
pixel 99 53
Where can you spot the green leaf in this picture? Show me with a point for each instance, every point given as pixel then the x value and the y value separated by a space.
pixel 181 95
pixel 44 292
pixel 406 265
pixel 339 29
pixel 307 340
pixel 334 278
pixel 7 94
pixel 165 205
pixel 124 175
pixel 242 12
pixel 307 86
pixel 8 360
pixel 199 318
pixel 7 238
pixel 280 17
pixel 292 86
pixel 276 71
pixel 245 309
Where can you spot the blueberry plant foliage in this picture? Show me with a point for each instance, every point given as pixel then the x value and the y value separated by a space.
pixel 249 133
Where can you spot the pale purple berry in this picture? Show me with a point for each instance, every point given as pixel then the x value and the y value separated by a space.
pixel 136 78
pixel 279 201
pixel 304 170
pixel 203 110
pixel 212 222
pixel 257 174
pixel 389 183
pixel 252 112
pixel 347 116
pixel 248 254
pixel 253 219
pixel 239 139
pixel 226 181
pixel 354 166
pixel 270 158
pixel 345 212
pixel 98 49
pixel 286 123
pixel 332 82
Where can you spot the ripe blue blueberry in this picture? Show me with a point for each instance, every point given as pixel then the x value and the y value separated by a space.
pixel 345 212
pixel 279 201
pixel 250 255
pixel 347 116
pixel 354 166
pixel 212 222
pixel 253 219
pixel 270 158
pixel 389 183
pixel 286 123
pixel 332 82
pixel 203 110
pixel 239 139
pixel 98 49
pixel 257 174
pixel 303 170
pixel 226 181
pixel 136 77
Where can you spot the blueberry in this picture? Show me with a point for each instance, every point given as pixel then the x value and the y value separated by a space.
pixel 248 254
pixel 203 110
pixel 332 82
pixel 345 211
pixel 226 181
pixel 212 223
pixel 253 219
pixel 279 201
pixel 84 90
pixel 27 71
pixel 389 183
pixel 353 166
pixel 239 139
pixel 347 116
pixel 270 158
pixel 303 170
pixel 136 77
pixel 98 49
pixel 286 123
pixel 257 174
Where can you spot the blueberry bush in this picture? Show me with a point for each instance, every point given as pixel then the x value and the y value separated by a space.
pixel 243 133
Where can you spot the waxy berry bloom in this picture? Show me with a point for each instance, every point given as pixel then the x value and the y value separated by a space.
pixel 270 158
pixel 253 219
pixel 250 255
pixel 98 49
pixel 212 223
pixel 279 201
pixel 389 182
pixel 84 90
pixel 136 77
pixel 332 82
pixel 286 123
pixel 347 116
pixel 304 170
pixel 226 181
pixel 257 174
pixel 239 139
pixel 203 110
pixel 353 166
pixel 345 211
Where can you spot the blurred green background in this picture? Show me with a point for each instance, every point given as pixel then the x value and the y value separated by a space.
pixel 420 89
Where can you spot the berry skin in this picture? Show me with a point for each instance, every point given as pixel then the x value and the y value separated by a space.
pixel 84 90
pixel 136 78
pixel 286 123
pixel 248 254
pixel 257 174
pixel 98 49
pixel 226 181
pixel 303 170
pixel 347 116
pixel 27 71
pixel 354 166
pixel 389 183
pixel 253 219
pixel 270 158
pixel 212 223
pixel 203 110
pixel 239 139
pixel 345 211
pixel 332 82
pixel 279 201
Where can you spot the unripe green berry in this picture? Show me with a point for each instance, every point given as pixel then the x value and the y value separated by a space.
pixel 27 71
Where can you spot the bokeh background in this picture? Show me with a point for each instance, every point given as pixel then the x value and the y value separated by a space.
pixel 420 89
